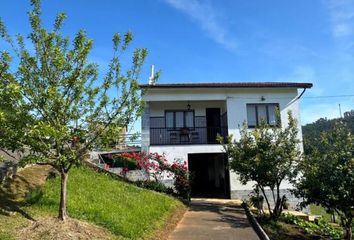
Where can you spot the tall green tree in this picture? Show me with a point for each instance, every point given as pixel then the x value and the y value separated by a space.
pixel 66 97
pixel 267 156
pixel 312 131
pixel 13 115
pixel 328 175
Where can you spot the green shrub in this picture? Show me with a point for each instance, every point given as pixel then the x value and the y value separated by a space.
pixel 155 186
pixel 321 227
pixel 34 195
pixel 118 161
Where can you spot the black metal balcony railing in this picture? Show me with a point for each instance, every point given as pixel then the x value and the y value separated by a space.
pixel 196 135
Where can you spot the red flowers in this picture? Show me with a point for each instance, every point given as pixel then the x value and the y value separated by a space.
pixel 156 164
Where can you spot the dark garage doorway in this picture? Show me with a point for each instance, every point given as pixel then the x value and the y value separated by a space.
pixel 210 175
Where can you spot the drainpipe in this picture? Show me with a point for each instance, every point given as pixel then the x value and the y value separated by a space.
pixel 302 93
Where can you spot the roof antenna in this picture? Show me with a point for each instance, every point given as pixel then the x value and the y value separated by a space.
pixel 152 76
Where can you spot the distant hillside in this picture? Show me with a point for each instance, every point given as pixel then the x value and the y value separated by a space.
pixel 312 131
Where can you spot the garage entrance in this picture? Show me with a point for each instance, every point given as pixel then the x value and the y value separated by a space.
pixel 210 175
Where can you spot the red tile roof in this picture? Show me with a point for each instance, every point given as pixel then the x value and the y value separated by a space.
pixel 230 85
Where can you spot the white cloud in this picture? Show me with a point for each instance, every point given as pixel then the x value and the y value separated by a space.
pixel 203 13
pixel 342 17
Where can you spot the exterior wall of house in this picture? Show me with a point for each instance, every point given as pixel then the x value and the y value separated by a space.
pixel 231 100
pixel 180 153
pixel 200 133
pixel 157 109
pixel 237 110
pixel 145 128
pixel 173 152
pixel 237 115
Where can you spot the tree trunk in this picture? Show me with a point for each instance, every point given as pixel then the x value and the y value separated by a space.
pixel 267 201
pixel 62 206
pixel 348 229
pixel 278 204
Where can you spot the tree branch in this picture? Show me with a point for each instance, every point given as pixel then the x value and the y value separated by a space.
pixel 8 154
pixel 266 198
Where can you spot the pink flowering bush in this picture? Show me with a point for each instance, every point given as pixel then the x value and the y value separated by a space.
pixel 156 165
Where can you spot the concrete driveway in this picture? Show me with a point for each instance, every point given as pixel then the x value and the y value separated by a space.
pixel 214 219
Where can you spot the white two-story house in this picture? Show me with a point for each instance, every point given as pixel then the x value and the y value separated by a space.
pixel 182 121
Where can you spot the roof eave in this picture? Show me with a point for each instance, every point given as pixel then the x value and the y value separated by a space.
pixel 230 85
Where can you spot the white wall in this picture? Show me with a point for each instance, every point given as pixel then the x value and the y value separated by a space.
pixel 237 115
pixel 157 109
pixel 236 100
pixel 181 152
pixel 237 110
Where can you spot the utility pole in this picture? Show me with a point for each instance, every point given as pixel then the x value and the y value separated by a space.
pixel 340 111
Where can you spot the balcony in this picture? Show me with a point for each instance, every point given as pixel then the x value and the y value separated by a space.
pixel 186 136
pixel 187 122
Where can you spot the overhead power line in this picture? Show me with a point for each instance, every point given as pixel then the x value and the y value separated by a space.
pixel 331 96
pixel 304 97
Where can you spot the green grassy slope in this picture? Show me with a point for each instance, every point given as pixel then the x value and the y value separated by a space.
pixel 124 209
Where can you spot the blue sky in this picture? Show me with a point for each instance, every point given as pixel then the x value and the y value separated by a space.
pixel 223 41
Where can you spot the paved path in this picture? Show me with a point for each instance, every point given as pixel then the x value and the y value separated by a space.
pixel 214 220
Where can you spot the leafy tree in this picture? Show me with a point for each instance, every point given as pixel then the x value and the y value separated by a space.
pixel 349 114
pixel 112 139
pixel 65 95
pixel 13 115
pixel 328 175
pixel 267 156
pixel 312 132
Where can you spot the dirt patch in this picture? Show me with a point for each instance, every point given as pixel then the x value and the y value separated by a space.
pixel 171 223
pixel 71 229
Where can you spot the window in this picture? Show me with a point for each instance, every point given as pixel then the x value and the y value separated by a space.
pixel 257 112
pixel 179 119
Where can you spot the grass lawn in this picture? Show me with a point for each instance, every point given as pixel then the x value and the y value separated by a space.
pixel 128 212
pixel 319 210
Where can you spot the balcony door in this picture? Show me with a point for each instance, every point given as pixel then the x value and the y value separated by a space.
pixel 213 123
